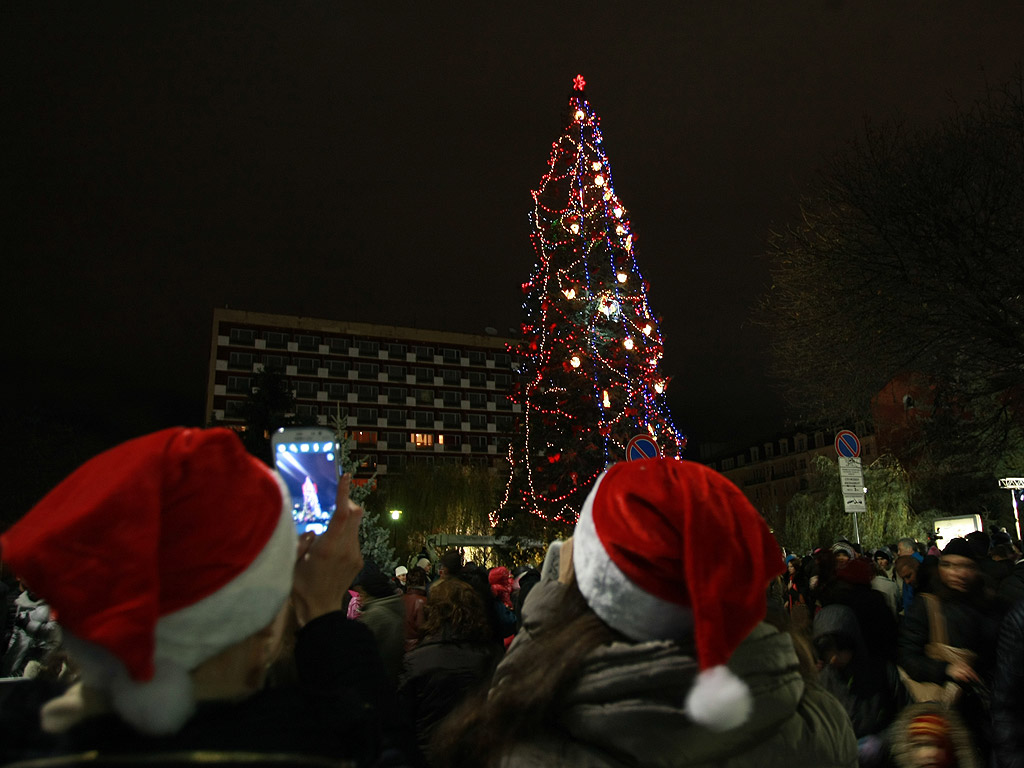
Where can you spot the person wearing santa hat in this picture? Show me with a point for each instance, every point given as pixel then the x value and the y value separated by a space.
pixel 650 648
pixel 171 562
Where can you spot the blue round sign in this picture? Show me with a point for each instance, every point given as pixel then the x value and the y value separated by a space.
pixel 847 444
pixel 642 447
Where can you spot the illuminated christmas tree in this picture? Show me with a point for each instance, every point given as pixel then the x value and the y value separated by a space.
pixel 591 348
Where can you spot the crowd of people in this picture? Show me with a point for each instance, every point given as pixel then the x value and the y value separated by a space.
pixel 164 607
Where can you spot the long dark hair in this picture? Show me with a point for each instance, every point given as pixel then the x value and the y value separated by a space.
pixel 528 688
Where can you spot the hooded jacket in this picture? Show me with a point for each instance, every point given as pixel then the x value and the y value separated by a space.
pixel 626 708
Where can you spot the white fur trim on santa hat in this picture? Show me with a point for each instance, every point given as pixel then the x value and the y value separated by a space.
pixel 610 594
pixel 719 700
pixel 240 608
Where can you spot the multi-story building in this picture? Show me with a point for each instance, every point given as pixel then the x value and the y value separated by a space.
pixel 771 473
pixel 410 395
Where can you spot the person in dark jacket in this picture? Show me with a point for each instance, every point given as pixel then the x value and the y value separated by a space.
pixel 868 687
pixel 971 624
pixel 193 543
pixel 415 598
pixel 455 657
pixel 1008 692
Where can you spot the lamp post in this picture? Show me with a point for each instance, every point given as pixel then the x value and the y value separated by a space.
pixel 396 515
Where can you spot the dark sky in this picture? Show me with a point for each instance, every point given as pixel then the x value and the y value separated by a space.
pixel 373 162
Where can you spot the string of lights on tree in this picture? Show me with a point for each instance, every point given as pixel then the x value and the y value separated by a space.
pixel 591 348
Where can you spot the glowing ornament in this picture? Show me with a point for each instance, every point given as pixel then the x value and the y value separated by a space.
pixel 599 180
pixel 647 330
pixel 628 343
pixel 650 428
pixel 629 243
pixel 578 83
pixel 659 387
pixel 579 115
pixel 605 400
pixel 620 230
pixel 608 307
pixel 574 361
pixel 570 293
pixel 574 228
pixel 622 277
pixel 618 213
pixel 596 165
pixel 608 194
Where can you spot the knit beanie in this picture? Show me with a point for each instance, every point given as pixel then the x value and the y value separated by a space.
pixel 671 550
pixel 157 555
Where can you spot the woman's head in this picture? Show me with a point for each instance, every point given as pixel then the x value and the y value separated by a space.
pixel 455 612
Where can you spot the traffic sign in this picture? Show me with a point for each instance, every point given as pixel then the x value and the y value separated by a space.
pixel 854 504
pixel 847 444
pixel 642 447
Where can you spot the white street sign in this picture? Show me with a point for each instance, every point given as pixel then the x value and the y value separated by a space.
pixel 855 503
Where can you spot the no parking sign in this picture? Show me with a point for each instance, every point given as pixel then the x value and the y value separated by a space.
pixel 642 447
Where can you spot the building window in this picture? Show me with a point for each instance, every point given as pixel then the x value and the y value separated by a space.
pixel 368 370
pixel 451 376
pixel 337 391
pixel 234 409
pixel 423 353
pixel 239 384
pixel 477 442
pixel 367 393
pixel 451 442
pixel 306 388
pixel 367 347
pixel 477 379
pixel 364 437
pixel 477 400
pixel 451 355
pixel 396 351
pixel 769 451
pixel 367 462
pixel 339 345
pixel 276 340
pixel 755 454
pixel 421 439
pixel 242 336
pixel 275 362
pixel 304 411
pixel 477 421
pixel 339 368
pixel 801 444
pixel 395 462
pixel 241 361
pixel 424 375
pixel 307 365
pixel 451 399
pixel 783 447
pixel 395 439
pixel 425 396
pixel 424 418
pixel 396 373
pixel 477 357
pixel 307 343
pixel 502 380
pixel 397 395
pixel 395 418
pixel 503 403
pixel 366 416
pixel 501 360
pixel 451 420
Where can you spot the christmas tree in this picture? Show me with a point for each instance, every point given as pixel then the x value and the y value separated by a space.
pixel 591 350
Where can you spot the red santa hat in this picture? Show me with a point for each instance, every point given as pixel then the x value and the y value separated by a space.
pixel 157 555
pixel 669 549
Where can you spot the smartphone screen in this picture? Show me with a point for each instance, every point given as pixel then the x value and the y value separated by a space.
pixel 307 461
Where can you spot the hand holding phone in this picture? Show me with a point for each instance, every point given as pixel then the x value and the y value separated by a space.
pixel 328 563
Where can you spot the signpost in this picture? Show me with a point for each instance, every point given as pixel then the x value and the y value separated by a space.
pixel 851 476
pixel 642 447
pixel 1015 485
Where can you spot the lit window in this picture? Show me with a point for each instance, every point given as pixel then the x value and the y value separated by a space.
pixel 422 439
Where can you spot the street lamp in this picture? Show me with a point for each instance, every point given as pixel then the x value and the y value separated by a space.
pixel 396 515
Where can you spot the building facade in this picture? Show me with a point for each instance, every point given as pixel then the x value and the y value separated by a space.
pixel 771 473
pixel 410 395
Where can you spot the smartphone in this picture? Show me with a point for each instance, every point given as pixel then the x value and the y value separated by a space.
pixel 307 459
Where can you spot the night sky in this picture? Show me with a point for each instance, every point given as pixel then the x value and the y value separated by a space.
pixel 373 162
